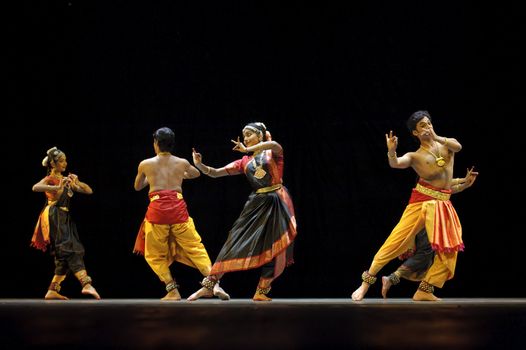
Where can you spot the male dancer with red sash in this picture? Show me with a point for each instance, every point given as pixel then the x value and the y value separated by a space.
pixel 419 259
pixel 167 233
pixel 429 208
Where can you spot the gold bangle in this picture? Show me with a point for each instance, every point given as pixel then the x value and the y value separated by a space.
pixel 209 170
pixel 390 156
pixel 445 141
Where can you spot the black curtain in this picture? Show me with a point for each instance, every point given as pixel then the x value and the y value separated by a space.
pixel 96 79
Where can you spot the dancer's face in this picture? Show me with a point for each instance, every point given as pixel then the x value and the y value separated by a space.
pixel 61 164
pixel 424 128
pixel 250 138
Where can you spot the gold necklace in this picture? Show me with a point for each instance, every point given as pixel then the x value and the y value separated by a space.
pixel 164 154
pixel 439 160
pixel 259 173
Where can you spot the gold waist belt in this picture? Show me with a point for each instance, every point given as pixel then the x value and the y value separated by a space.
pixel 432 193
pixel 156 197
pixel 269 189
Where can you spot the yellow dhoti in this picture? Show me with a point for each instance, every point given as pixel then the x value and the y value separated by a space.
pixel 431 209
pixel 166 243
pixel 168 234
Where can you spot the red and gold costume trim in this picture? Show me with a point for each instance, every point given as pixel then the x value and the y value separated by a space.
pixel 40 239
pixel 166 207
pixel 441 220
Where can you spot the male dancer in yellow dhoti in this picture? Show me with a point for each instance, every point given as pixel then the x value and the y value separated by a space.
pixel 419 260
pixel 429 208
pixel 167 233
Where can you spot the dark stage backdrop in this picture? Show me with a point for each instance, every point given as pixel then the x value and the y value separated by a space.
pixel 96 79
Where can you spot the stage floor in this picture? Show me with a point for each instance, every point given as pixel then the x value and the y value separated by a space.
pixel 280 324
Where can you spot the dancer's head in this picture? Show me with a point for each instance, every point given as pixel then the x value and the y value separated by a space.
pixel 164 138
pixel 254 133
pixel 55 158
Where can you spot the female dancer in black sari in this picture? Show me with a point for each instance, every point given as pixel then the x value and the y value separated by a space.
pixel 264 233
pixel 56 229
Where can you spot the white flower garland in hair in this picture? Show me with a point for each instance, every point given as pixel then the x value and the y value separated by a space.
pixel 54 151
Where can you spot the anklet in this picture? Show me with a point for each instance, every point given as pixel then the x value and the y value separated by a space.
pixel 426 287
pixel 171 286
pixel 367 278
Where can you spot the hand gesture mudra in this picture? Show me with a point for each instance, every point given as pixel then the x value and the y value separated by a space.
pixel 392 141
pixel 64 182
pixel 471 176
pixel 239 146
pixel 74 178
pixel 433 133
pixel 196 157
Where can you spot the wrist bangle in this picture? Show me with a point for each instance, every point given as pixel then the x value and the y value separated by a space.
pixel 209 170
pixel 391 156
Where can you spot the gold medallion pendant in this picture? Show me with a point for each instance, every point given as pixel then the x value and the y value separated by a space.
pixel 440 161
pixel 259 173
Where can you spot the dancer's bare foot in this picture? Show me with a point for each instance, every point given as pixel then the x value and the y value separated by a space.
pixel 52 295
pixel 386 284
pixel 89 290
pixel 220 293
pixel 360 292
pixel 260 297
pixel 424 296
pixel 201 293
pixel 172 295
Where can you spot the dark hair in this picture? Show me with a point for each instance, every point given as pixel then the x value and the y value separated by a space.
pixel 415 118
pixel 260 127
pixel 165 138
pixel 52 155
